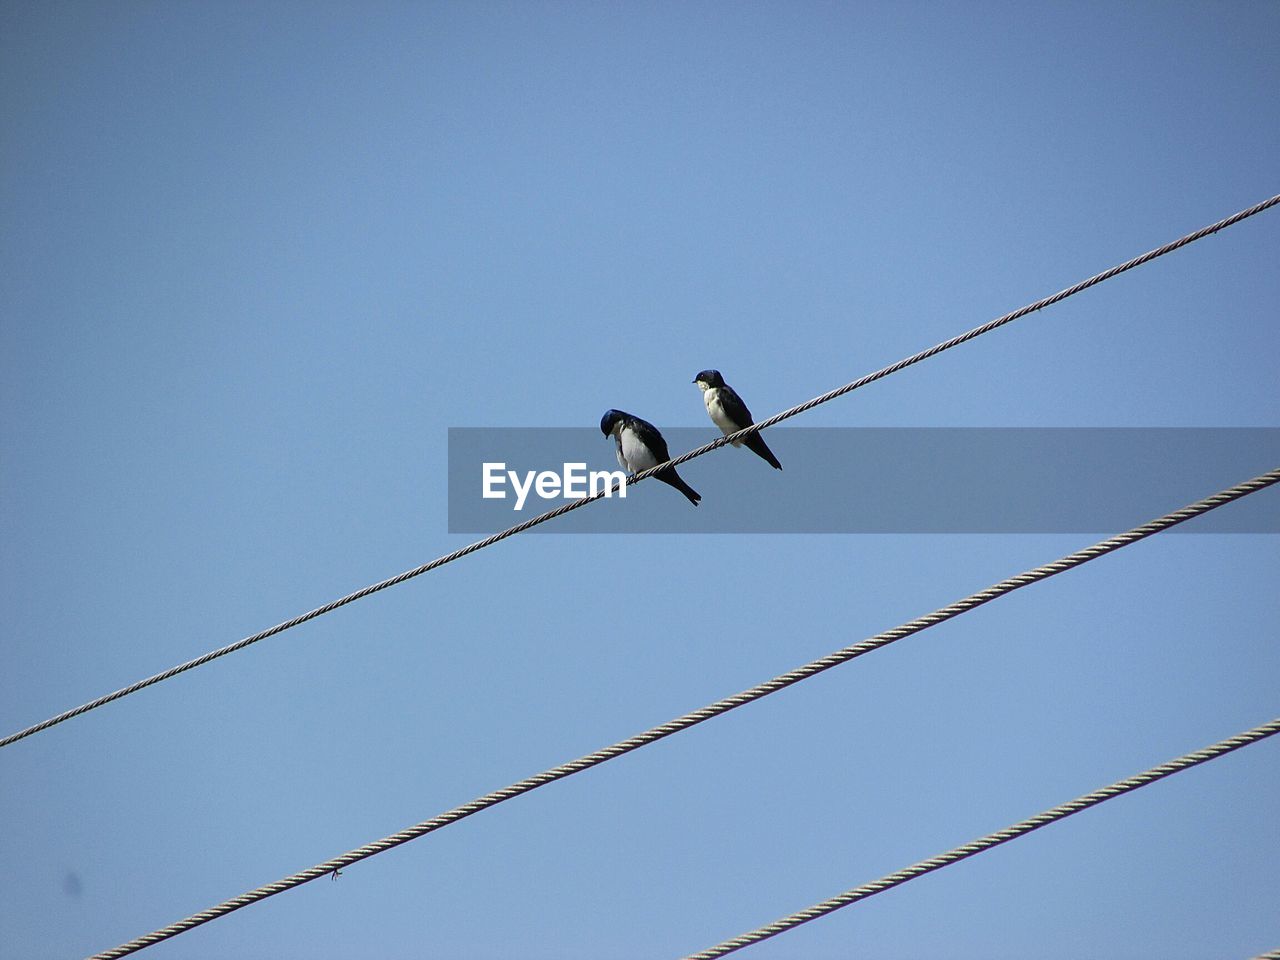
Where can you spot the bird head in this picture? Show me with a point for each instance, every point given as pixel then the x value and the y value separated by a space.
pixel 709 379
pixel 611 420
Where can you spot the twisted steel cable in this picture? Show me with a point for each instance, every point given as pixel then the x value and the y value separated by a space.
pixel 990 840
pixel 698 716
pixel 635 478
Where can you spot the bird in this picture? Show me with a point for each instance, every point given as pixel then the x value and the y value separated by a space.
pixel 730 414
pixel 640 446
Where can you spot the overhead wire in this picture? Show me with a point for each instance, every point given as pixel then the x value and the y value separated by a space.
pixel 974 847
pixel 644 474
pixel 688 720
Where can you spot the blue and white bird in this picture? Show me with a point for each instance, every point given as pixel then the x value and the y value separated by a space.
pixel 640 446
pixel 730 414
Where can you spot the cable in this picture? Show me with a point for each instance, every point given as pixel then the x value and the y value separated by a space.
pixel 698 716
pixel 706 448
pixel 971 334
pixel 990 840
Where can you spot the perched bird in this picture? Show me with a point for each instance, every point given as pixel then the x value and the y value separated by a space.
pixel 640 446
pixel 730 414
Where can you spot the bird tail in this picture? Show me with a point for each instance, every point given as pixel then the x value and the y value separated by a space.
pixel 671 477
pixel 755 443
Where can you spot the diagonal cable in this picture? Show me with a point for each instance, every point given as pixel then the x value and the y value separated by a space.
pixel 990 840
pixel 698 716
pixel 635 478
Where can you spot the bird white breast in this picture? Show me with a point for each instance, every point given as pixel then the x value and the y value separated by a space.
pixel 715 409
pixel 632 454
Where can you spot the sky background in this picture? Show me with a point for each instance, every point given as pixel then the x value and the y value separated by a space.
pixel 258 258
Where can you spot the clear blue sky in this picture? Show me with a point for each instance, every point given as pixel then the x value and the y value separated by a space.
pixel 258 258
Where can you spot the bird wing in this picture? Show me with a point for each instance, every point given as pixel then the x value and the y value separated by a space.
pixel 648 435
pixel 734 407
